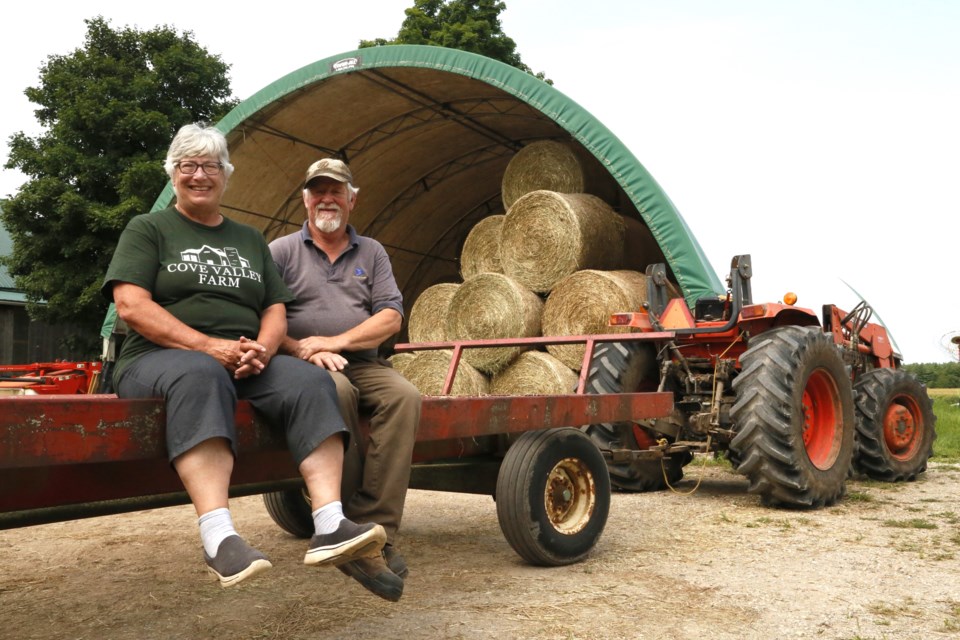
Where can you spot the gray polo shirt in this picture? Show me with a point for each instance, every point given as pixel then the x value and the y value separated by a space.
pixel 333 298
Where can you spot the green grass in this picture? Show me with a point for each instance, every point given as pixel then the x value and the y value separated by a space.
pixel 946 406
pixel 952 621
pixel 913 523
pixel 885 610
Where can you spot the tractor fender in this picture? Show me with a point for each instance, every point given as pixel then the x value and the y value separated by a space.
pixel 758 318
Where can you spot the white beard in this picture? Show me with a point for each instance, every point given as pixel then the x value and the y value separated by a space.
pixel 328 225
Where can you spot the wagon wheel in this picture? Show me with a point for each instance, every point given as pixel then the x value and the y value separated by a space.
pixel 624 367
pixel 794 418
pixel 895 425
pixel 291 510
pixel 553 496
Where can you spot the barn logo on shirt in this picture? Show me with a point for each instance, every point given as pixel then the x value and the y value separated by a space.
pixel 215 267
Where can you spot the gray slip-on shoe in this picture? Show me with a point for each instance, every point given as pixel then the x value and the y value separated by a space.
pixel 235 561
pixel 349 542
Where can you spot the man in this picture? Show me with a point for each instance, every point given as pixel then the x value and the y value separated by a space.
pixel 347 305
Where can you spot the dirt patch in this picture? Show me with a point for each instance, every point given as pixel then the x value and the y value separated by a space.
pixel 884 563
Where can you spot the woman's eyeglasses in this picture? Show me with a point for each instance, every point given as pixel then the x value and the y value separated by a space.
pixel 190 168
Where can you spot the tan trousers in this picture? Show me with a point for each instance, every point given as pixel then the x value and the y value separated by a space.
pixel 375 481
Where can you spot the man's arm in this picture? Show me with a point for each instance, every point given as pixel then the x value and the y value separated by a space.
pixel 369 334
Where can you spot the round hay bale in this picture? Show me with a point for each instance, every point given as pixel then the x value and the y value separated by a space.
pixel 534 373
pixel 428 371
pixel 399 361
pixel 581 304
pixel 489 306
pixel 481 249
pixel 545 164
pixel 428 317
pixel 546 236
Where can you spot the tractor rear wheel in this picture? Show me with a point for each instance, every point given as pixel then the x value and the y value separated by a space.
pixel 895 425
pixel 553 496
pixel 290 509
pixel 794 418
pixel 624 367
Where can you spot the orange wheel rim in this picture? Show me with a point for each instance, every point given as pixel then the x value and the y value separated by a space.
pixel 902 427
pixel 822 416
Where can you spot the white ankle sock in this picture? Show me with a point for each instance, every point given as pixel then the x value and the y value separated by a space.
pixel 215 526
pixel 327 518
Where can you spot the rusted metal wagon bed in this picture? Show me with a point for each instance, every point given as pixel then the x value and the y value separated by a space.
pixel 71 456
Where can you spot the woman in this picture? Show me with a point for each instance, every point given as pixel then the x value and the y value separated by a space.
pixel 206 309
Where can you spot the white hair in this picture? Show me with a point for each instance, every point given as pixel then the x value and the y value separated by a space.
pixel 194 140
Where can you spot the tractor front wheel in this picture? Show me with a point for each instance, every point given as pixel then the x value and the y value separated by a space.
pixel 553 496
pixel 895 425
pixel 794 418
pixel 627 367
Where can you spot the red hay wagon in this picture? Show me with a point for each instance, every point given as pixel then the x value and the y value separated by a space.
pixel 72 456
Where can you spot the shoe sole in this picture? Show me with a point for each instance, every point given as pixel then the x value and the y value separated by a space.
pixel 366 545
pixel 387 592
pixel 257 566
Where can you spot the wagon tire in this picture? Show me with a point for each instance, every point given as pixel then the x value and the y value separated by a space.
pixel 553 496
pixel 291 510
pixel 794 418
pixel 624 367
pixel 895 425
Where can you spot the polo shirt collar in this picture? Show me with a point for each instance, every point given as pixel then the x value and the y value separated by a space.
pixel 351 233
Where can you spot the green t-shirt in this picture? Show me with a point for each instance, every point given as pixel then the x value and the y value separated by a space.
pixel 217 280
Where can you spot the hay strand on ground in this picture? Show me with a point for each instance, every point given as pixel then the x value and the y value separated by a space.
pixel 489 306
pixel 545 164
pixel 428 317
pixel 546 236
pixel 581 304
pixel 534 373
pixel 427 371
pixel 481 249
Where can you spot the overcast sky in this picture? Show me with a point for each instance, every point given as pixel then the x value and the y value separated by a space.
pixel 821 137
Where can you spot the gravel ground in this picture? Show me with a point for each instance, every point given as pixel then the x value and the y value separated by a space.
pixel 704 561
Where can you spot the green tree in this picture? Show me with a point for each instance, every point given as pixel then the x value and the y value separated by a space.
pixel 937 375
pixel 109 111
pixel 468 25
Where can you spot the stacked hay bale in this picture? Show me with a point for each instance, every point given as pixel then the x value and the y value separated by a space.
pixel 547 236
pixel 581 304
pixel 544 165
pixel 552 265
pixel 481 250
pixel 428 317
pixel 534 373
pixel 427 371
pixel 490 306
pixel 400 361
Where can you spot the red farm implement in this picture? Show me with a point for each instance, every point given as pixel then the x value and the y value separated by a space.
pixel 49 377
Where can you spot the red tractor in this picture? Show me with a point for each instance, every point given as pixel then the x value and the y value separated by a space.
pixel 795 401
